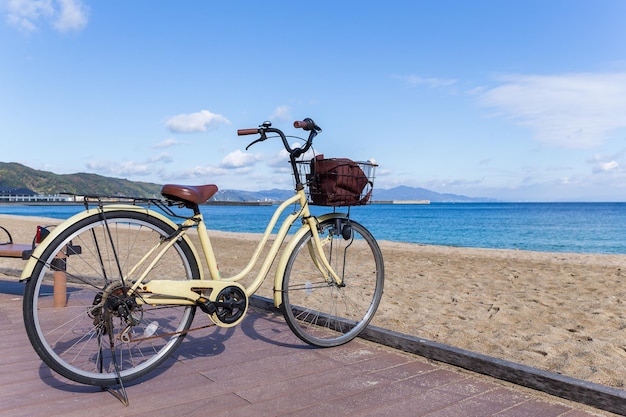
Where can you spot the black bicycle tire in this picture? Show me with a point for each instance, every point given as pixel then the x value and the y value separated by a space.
pixel 289 311
pixel 41 346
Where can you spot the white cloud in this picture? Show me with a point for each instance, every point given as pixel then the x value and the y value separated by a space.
pixel 607 163
pixel 238 159
pixel 195 122
pixel 281 114
pixel 570 110
pixel 281 159
pixel 169 142
pixel 119 169
pixel 208 173
pixel 71 16
pixel 198 172
pixel 65 15
pixel 609 166
pixel 163 157
pixel 415 80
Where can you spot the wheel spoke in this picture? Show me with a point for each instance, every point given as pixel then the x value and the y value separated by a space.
pixel 69 339
pixel 324 313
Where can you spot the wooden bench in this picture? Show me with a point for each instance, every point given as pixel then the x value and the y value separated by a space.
pixel 14 250
pixel 22 250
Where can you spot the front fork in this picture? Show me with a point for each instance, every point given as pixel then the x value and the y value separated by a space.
pixel 341 227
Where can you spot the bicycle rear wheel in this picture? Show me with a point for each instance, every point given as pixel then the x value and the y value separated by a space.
pixel 319 311
pixel 102 329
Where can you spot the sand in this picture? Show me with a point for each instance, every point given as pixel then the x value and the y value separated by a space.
pixel 559 312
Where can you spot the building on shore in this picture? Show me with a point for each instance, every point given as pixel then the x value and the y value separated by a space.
pixel 24 195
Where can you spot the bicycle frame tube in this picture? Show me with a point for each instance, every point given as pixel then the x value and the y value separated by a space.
pixel 308 223
pixel 38 252
pixel 282 263
pixel 164 246
pixel 299 198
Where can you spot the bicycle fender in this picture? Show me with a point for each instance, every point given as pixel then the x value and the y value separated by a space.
pixel 38 251
pixel 284 258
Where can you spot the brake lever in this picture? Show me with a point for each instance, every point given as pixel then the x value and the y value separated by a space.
pixel 262 133
pixel 258 140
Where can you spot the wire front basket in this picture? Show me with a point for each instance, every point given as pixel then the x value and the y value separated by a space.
pixel 337 182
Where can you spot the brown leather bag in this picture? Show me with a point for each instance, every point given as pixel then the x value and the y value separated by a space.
pixel 337 182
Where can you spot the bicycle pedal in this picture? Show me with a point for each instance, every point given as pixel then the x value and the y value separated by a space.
pixel 206 305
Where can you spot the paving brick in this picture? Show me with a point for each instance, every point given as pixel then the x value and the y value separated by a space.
pixel 261 369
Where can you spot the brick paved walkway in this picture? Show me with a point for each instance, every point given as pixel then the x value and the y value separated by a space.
pixel 260 369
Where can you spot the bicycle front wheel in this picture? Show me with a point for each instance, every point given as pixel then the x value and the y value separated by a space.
pixel 317 309
pixel 95 330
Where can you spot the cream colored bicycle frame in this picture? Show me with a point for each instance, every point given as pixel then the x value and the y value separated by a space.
pixel 182 292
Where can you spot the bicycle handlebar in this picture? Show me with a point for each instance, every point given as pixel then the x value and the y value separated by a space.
pixel 307 124
pixel 242 132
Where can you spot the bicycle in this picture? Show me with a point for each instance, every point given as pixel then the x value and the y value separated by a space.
pixel 134 279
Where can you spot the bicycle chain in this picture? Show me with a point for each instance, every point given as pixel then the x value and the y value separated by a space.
pixel 94 313
pixel 171 333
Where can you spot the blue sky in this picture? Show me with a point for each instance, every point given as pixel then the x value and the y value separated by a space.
pixel 522 101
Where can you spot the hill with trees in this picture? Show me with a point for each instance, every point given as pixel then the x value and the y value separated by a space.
pixel 18 176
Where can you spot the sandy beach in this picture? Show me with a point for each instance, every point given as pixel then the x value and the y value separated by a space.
pixel 560 312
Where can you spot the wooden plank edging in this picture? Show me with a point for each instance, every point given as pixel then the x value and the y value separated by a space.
pixel 584 392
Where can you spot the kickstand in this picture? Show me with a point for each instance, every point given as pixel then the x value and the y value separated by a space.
pixel 120 393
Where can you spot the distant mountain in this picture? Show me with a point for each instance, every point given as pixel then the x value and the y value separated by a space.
pixel 17 176
pixel 266 195
pixel 415 193
pixel 397 193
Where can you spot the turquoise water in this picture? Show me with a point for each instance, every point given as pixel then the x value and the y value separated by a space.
pixel 545 227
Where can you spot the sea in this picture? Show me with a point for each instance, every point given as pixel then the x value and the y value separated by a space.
pixel 544 227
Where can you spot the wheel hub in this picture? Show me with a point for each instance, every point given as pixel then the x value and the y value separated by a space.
pixel 117 303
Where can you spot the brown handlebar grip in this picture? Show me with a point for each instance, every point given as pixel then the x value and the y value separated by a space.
pixel 300 124
pixel 242 132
